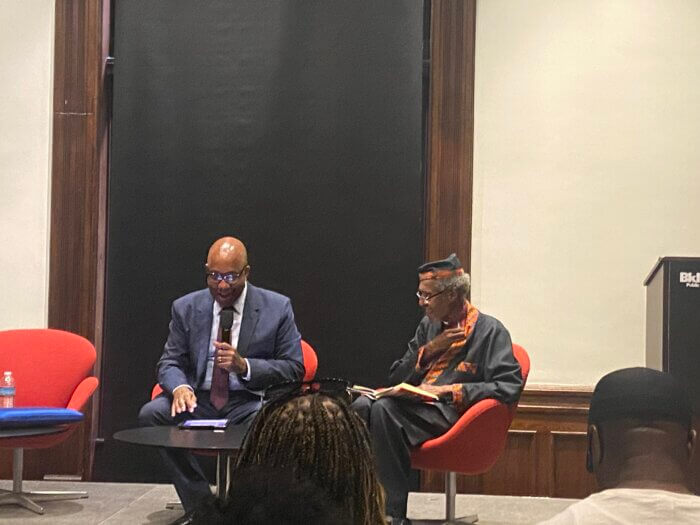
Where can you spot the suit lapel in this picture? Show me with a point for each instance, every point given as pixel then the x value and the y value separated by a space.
pixel 251 314
pixel 203 321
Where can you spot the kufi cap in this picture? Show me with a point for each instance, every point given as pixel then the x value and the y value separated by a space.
pixel 440 269
pixel 640 393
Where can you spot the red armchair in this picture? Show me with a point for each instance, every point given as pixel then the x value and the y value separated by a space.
pixel 474 442
pixel 52 368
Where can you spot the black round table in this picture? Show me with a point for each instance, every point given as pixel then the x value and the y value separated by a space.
pixel 221 442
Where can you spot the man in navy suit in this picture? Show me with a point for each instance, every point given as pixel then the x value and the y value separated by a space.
pixel 203 378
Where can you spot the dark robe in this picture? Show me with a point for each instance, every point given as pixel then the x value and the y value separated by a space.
pixel 482 367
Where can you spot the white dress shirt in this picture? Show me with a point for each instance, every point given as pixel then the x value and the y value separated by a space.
pixel 631 507
pixel 233 381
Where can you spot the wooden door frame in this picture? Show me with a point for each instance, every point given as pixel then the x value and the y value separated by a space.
pixel 450 140
pixel 79 188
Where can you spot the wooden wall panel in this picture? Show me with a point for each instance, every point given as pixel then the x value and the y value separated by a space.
pixel 570 477
pixel 558 415
pixel 516 469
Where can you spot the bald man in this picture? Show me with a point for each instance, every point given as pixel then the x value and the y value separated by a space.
pixel 205 379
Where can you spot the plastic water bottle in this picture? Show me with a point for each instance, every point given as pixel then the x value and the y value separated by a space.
pixel 7 391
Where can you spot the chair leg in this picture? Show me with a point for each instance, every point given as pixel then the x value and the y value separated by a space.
pixel 451 501
pixel 9 498
pixel 28 499
pixel 450 506
pixel 223 475
pixel 450 495
pixel 17 469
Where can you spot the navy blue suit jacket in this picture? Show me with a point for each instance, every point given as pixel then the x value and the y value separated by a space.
pixel 269 339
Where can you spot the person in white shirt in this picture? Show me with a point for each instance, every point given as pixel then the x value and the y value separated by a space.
pixel 640 447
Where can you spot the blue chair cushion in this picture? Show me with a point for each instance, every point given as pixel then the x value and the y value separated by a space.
pixel 29 417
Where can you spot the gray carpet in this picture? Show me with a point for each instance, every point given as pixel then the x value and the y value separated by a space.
pixel 142 504
pixel 492 510
pixel 108 503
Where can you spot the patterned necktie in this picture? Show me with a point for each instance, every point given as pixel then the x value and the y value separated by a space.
pixel 218 395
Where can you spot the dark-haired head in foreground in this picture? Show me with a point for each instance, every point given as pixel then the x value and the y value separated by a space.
pixel 318 438
pixel 640 448
pixel 264 496
pixel 639 431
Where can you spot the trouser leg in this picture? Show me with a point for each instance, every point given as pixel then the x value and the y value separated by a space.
pixel 395 427
pixel 393 457
pixel 190 482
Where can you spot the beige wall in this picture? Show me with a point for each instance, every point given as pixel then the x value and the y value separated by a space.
pixel 587 169
pixel 26 57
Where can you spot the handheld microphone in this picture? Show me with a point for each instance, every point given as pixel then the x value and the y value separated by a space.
pixel 225 324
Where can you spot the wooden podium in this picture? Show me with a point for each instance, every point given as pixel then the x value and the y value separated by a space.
pixel 673 321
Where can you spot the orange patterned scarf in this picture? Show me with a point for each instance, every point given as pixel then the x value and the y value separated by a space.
pixel 467 322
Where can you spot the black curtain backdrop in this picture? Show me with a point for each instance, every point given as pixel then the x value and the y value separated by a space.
pixel 293 125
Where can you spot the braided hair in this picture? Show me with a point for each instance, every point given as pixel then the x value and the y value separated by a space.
pixel 320 438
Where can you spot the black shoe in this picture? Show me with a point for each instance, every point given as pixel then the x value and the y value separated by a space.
pixel 185 519
pixel 397 521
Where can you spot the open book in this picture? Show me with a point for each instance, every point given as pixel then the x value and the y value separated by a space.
pixel 400 390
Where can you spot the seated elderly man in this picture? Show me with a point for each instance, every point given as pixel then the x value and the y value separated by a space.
pixel 640 445
pixel 458 353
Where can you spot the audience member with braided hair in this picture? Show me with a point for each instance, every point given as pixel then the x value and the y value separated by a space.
pixel 319 438
pixel 264 496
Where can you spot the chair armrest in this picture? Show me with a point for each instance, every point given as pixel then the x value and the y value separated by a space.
pixel 82 393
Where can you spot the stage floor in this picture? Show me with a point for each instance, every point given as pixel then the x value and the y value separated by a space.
pixel 134 504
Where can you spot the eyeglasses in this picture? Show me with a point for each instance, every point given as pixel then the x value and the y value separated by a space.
pixel 428 297
pixel 328 386
pixel 229 277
